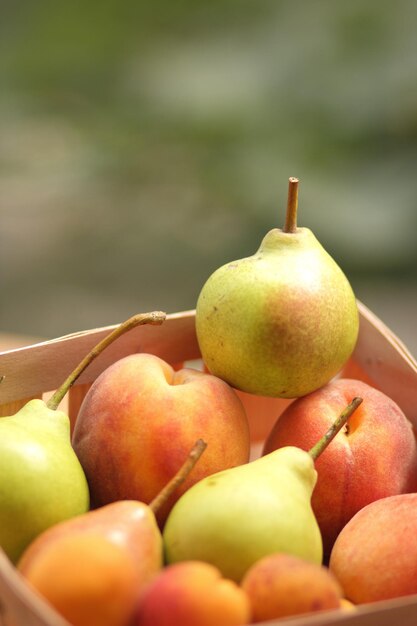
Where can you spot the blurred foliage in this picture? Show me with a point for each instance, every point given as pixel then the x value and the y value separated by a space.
pixel 143 144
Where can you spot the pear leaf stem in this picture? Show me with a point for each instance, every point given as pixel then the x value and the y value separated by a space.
pixel 154 318
pixel 292 206
pixel 185 469
pixel 322 444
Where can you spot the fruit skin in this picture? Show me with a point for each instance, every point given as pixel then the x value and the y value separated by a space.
pixel 347 605
pixel 374 457
pixel 281 585
pixel 375 556
pixel 139 420
pixel 233 518
pixel 42 481
pixel 128 524
pixel 281 322
pixel 192 594
pixel 102 559
pixel 88 579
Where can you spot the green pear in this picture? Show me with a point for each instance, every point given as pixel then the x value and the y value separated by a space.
pixel 235 517
pixel 282 322
pixel 41 480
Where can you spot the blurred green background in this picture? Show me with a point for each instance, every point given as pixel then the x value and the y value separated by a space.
pixel 143 144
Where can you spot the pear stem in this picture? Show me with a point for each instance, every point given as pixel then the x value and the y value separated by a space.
pixel 154 318
pixel 322 444
pixel 292 206
pixel 193 456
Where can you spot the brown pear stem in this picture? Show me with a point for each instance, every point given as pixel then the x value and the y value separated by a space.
pixel 195 453
pixel 322 444
pixel 292 206
pixel 154 318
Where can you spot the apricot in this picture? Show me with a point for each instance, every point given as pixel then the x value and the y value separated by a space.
pixel 192 593
pixel 281 585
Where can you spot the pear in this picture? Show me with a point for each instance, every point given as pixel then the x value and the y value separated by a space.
pixel 235 517
pixel 42 481
pixel 282 322
pixel 120 547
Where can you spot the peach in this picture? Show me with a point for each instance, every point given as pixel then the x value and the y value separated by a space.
pixel 88 579
pixel 140 419
pixel 192 593
pixel 281 585
pixel 375 555
pixel 374 456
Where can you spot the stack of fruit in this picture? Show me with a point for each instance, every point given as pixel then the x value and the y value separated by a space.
pixel 150 513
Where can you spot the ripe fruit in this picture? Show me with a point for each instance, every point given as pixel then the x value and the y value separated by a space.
pixel 282 322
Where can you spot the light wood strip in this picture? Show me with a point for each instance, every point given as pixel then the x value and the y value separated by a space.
pixel 20 605
pixel 385 360
pixel 43 367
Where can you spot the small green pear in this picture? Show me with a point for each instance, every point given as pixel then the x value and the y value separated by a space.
pixel 41 480
pixel 233 518
pixel 282 322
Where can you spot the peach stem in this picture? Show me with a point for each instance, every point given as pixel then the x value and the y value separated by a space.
pixel 155 318
pixel 292 206
pixel 321 445
pixel 192 458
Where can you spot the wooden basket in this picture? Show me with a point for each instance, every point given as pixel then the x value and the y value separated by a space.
pixel 380 359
